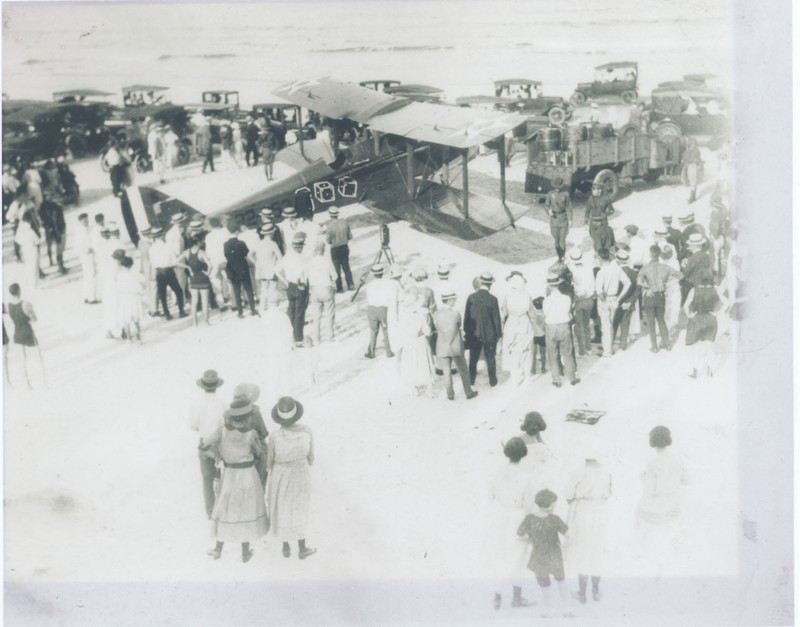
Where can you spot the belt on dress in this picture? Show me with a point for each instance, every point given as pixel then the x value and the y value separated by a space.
pixel 249 464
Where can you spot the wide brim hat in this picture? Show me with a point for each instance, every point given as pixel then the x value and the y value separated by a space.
pixel 289 212
pixel 267 229
pixel 250 391
pixel 443 272
pixel 622 255
pixel 176 218
pixel 377 269
pixel 516 273
pixel 395 271
pixel 661 232
pixel 210 380
pixel 287 411
pixel 695 239
pixel 553 279
pixel 240 409
pixel 266 211
pixel 576 254
pixel 448 295
pixel 687 217
pixel 333 212
pixel 486 278
pixel 196 225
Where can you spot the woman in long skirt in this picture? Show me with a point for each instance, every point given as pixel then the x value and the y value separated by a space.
pixel 129 291
pixel 672 296
pixel 701 330
pixel 239 514
pixel 416 360
pixel 517 309
pixel 290 453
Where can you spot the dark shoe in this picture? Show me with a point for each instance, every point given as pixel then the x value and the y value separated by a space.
pixel 287 550
pixel 369 355
pixel 580 596
pixel 451 397
pixel 492 384
pixel 439 371
pixel 575 382
pixel 183 314
pixel 653 350
pixel 390 354
pixel 304 553
pixel 693 374
pixel 255 314
pixel 168 316
pixel 557 384
pixel 215 553
pixel 521 602
pixel 240 315
pixel 472 395
pixel 247 556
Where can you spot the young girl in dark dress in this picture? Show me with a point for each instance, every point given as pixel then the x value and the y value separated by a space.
pixel 195 260
pixel 701 330
pixel 542 528
pixel 22 314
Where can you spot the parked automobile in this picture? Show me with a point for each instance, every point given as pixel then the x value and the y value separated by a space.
pixel 688 109
pixel 611 79
pixel 530 100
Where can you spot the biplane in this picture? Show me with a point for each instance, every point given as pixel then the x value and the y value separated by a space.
pixel 399 162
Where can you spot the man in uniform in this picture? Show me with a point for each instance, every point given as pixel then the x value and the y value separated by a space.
pixel 483 328
pixel 559 208
pixel 338 235
pixel 692 162
pixel 598 208
pixel 697 261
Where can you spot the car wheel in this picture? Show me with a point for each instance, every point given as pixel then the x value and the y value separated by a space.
pixel 609 181
pixel 104 163
pixel 556 115
pixel 76 145
pixel 628 96
pixel 628 131
pixel 184 154
pixel 578 98
pixel 143 163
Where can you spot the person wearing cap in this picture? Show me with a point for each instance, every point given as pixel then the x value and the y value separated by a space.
pixel 559 208
pixel 609 284
pixel 265 257
pixel 674 237
pixel 176 241
pixel 627 302
pixel 483 328
pixel 659 507
pixel 268 216
pixel 237 269
pixel 215 250
pixel 195 261
pixel 584 299
pixel 442 282
pixel 696 261
pixel 290 224
pixel 587 494
pixel 598 208
pixel 290 453
pixel 516 311
pixel 381 296
pixel 239 512
pixel 321 288
pixel 163 260
pixel 450 345
pixel 692 163
pixel 504 553
pixel 338 234
pixel 702 303
pixel 205 417
pixel 85 249
pixel 292 270
pixel 653 279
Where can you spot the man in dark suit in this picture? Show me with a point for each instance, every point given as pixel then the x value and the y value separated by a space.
pixel 237 268
pixel 450 345
pixel 482 328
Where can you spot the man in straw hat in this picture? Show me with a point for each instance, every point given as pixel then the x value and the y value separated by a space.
pixel 450 345
pixel 558 337
pixel 674 236
pixel 290 453
pixel 237 267
pixel 268 216
pixel 265 257
pixel 174 238
pixel 583 286
pixel 653 279
pixel 559 208
pixel 163 261
pixel 697 260
pixel 339 235
pixel 205 417
pixel 627 302
pixel 380 296
pixel 291 269
pixel 215 250
pixel 482 328
pixel 610 283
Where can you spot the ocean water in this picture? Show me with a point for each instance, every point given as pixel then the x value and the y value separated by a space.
pixel 461 47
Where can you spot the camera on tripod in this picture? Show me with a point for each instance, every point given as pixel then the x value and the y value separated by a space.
pixel 384 235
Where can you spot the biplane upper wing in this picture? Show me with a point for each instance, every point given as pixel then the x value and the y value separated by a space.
pixel 439 124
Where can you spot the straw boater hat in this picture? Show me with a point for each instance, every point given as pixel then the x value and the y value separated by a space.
pixel 196 225
pixel 486 278
pixel 112 227
pixel 177 218
pixel 695 239
pixel 289 212
pixel 299 239
pixel 687 217
pixel 622 255
pixel 553 278
pixel 210 380
pixel 154 232
pixel 661 232
pixel 333 212
pixel 240 409
pixel 666 219
pixel 287 411
pixel 377 269
pixel 266 212
pixel 395 271
pixel 267 228
pixel 576 254
pixel 443 272
pixel 448 295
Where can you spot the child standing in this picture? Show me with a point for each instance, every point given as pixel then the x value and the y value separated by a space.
pixel 539 345
pixel 542 528
pixel 22 315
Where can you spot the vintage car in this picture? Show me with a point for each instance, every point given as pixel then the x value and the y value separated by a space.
pixel 688 109
pixel 286 120
pixel 144 96
pixel 225 97
pixel 611 79
pixel 418 93
pixel 81 95
pixel 531 101
pixel 379 84
pixel 41 130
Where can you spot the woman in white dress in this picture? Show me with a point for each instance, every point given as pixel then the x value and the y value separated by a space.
pixel 130 289
pixel 415 358
pixel 517 311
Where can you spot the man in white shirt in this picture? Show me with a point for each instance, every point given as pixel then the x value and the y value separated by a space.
pixel 85 249
pixel 163 260
pixel 321 287
pixel 583 285
pixel 250 237
pixel 176 243
pixel 557 314
pixel 379 298
pixel 215 250
pixel 292 270
pixel 265 256
pixel 205 417
pixel 610 283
